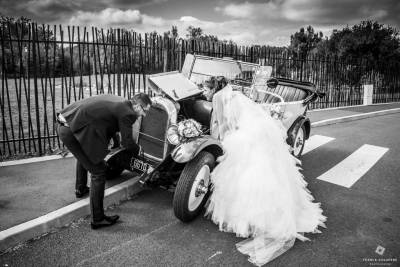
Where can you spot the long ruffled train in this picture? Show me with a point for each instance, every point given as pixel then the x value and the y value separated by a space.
pixel 258 190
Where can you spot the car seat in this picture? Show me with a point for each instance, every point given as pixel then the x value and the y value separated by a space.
pixel 288 93
pixel 199 110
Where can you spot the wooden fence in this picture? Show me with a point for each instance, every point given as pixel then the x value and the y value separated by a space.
pixel 45 68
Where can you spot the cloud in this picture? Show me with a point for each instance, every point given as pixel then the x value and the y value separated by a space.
pixel 315 11
pixel 62 11
pixel 234 29
pixel 319 11
pixel 108 17
pixel 116 18
pixel 284 17
pixel 244 10
pixel 50 9
pixel 245 22
pixel 250 11
pixel 155 22
pixel 188 19
pixel 128 4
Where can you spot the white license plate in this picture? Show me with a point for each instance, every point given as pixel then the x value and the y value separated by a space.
pixel 139 165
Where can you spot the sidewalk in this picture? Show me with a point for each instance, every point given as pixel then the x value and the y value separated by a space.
pixel 334 113
pixel 43 191
pixel 31 190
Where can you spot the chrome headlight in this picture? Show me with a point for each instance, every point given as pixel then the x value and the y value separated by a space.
pixel 173 135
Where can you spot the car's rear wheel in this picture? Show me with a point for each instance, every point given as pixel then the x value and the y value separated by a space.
pixel 193 186
pixel 299 142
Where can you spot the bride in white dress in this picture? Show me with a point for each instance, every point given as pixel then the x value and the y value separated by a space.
pixel 258 190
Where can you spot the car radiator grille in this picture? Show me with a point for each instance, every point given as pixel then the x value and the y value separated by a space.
pixel 152 132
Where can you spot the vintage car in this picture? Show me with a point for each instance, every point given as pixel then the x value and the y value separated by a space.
pixel 178 150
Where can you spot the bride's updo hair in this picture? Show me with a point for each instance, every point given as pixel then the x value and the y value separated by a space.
pixel 217 83
pixel 221 82
pixel 214 85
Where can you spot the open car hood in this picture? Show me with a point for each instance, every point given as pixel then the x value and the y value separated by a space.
pixel 173 84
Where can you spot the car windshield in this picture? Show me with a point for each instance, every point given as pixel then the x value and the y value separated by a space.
pixel 204 68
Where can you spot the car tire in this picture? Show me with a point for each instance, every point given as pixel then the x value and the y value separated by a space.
pixel 299 141
pixel 192 190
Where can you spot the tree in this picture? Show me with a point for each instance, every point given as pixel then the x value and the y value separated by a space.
pixel 368 40
pixel 368 49
pixel 11 28
pixel 304 41
pixel 194 32
pixel 13 53
pixel 173 33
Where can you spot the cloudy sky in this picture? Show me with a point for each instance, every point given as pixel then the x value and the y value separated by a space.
pixel 245 22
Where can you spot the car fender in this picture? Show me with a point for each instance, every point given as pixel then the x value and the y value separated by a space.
pixel 291 133
pixel 186 151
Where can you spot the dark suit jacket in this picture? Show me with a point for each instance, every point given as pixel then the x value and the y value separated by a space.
pixel 96 119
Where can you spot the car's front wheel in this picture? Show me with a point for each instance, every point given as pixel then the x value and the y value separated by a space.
pixel 193 186
pixel 299 142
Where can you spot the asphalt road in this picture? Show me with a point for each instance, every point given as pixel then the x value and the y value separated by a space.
pixel 361 219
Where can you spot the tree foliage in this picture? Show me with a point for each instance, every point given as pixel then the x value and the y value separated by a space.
pixel 14 31
pixel 196 33
pixel 304 41
pixel 363 49
pixel 173 33
pixel 369 40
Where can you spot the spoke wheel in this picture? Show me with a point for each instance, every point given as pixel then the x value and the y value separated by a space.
pixel 192 190
pixel 299 141
pixel 199 188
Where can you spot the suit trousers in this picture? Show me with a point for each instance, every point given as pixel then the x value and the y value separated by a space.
pixel 97 171
pixel 81 176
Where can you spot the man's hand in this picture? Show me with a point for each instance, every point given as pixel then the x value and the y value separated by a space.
pixel 140 153
pixel 116 141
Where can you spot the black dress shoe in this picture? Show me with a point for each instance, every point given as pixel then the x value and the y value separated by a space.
pixel 107 221
pixel 80 193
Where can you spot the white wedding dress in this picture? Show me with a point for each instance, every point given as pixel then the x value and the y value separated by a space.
pixel 258 191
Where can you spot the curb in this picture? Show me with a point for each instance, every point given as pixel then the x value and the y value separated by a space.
pixel 355 117
pixel 33 160
pixel 63 216
pixel 353 106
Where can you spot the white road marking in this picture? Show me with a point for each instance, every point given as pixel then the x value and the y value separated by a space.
pixel 215 254
pixel 316 141
pixel 352 168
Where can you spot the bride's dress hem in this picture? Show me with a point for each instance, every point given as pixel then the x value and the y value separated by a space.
pixel 258 190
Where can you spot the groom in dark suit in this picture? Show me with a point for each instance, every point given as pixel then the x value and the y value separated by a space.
pixel 86 127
